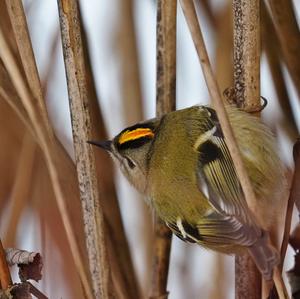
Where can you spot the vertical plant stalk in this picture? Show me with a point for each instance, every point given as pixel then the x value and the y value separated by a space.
pixel 286 26
pixel 5 278
pixel 272 47
pixel 132 106
pixel 94 224
pixel 122 269
pixel 165 102
pixel 191 17
pixel 246 53
pixel 294 198
pixel 246 56
pixel 60 166
pixel 21 188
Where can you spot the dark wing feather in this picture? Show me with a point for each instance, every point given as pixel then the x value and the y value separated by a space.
pixel 216 174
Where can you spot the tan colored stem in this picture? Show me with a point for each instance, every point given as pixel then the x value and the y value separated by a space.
pixel 60 167
pixel 165 102
pixel 162 248
pixel 5 278
pixel 20 28
pixel 166 57
pixel 93 215
pixel 191 17
pixel 21 188
pixel 286 26
pixel 246 53
pixel 271 45
pixel 246 56
pixel 132 104
pixel 123 273
pixel 294 198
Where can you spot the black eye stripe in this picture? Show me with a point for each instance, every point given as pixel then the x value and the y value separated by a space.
pixel 130 163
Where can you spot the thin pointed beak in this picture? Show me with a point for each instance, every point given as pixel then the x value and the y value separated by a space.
pixel 106 145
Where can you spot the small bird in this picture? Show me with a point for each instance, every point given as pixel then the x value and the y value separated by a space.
pixel 180 161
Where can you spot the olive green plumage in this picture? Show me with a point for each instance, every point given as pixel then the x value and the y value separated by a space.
pixel 182 164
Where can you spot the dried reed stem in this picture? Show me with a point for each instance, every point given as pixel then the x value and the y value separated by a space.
pixel 21 188
pixel 123 274
pixel 191 17
pixel 293 198
pixel 271 45
pixel 165 102
pixel 96 241
pixel 246 56
pixel 132 106
pixel 59 164
pixel 19 25
pixel 5 278
pixel 286 26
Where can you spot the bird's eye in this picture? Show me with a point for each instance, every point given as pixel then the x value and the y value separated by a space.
pixel 130 163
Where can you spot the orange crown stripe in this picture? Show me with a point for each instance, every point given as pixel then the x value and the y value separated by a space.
pixel 135 134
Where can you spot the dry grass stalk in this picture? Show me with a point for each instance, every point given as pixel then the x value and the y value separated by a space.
pixel 5 278
pixel 190 14
pixel 94 224
pixel 21 188
pixel 59 164
pixel 286 26
pixel 165 102
pixel 246 56
pixel 132 106
pixel 20 29
pixel 293 198
pixel 271 44
pixel 121 262
pixel 224 42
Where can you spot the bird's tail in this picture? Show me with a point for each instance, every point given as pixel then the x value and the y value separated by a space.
pixel 264 255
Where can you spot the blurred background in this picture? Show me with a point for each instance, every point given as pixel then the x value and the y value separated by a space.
pixel 125 96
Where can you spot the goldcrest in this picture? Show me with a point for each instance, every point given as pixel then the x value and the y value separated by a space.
pixel 180 161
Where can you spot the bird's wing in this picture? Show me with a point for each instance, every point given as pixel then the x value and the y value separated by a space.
pixel 216 175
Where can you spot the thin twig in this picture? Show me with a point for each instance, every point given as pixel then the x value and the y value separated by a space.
pixel 94 225
pixel 191 17
pixel 165 102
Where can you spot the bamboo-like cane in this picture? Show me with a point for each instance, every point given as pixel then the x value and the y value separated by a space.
pixel 246 56
pixel 165 102
pixel 191 17
pixel 93 214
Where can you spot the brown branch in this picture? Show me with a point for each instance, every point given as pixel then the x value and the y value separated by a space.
pixel 60 166
pixel 5 278
pixel 96 241
pixel 246 56
pixel 165 102
pixel 288 34
pixel 191 17
pixel 121 262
